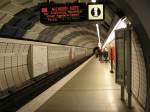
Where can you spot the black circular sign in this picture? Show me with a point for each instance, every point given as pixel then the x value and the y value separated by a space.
pixel 95 12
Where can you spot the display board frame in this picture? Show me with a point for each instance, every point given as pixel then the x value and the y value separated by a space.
pixel 68 13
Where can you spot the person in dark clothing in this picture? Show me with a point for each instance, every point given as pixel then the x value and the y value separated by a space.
pixel 96 53
pixel 100 55
pixel 105 55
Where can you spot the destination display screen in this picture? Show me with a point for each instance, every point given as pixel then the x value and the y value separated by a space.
pixel 51 13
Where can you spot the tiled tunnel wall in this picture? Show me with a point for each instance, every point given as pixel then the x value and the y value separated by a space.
pixel 139 81
pixel 59 57
pixel 15 63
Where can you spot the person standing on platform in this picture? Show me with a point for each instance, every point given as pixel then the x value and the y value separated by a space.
pixel 96 53
pixel 100 55
pixel 112 56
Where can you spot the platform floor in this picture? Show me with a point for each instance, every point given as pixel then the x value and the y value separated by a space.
pixel 93 89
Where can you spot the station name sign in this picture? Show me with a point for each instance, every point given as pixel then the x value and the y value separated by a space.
pixel 61 13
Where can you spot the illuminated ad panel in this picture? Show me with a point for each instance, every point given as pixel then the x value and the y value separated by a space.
pixel 61 13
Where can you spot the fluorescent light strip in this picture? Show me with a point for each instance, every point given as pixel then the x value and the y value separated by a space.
pixel 120 24
pixel 93 1
pixel 98 34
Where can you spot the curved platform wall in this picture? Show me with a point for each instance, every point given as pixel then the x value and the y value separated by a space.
pixel 16 61
pixel 139 85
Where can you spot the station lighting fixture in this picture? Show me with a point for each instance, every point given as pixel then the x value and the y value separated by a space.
pixel 98 35
pixel 120 24
pixel 93 1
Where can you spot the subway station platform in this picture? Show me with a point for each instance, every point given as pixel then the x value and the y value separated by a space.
pixel 42 57
pixel 92 89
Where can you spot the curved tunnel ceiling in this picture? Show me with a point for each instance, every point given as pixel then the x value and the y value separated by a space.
pixel 59 34
pixel 83 42
pixel 20 19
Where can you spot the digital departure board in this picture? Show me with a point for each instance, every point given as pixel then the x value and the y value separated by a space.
pixel 52 13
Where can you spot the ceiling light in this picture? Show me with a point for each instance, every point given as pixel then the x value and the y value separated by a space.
pixel 93 1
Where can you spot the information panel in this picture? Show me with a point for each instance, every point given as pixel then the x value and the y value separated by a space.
pixel 65 13
pixel 51 13
pixel 120 56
